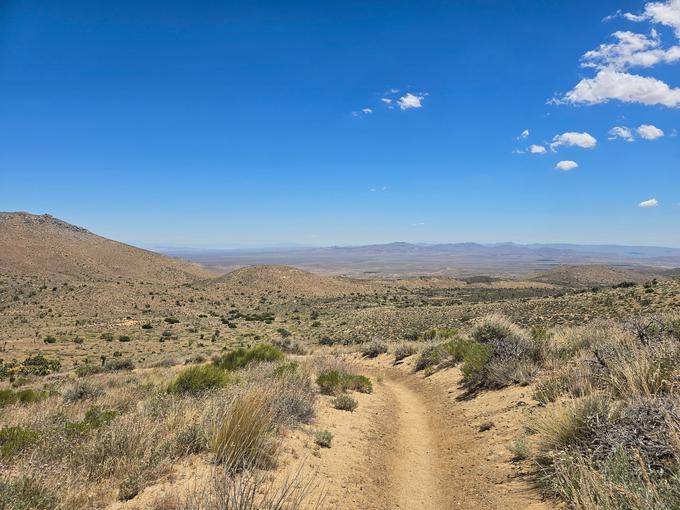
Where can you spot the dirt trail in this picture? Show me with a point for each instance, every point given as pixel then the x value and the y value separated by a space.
pixel 414 470
pixel 413 445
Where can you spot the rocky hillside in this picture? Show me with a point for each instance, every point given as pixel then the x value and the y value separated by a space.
pixel 44 246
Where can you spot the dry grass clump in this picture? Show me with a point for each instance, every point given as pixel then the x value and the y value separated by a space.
pixel 82 390
pixel 403 351
pixel 242 436
pixel 79 446
pixel 373 349
pixel 247 489
pixel 610 436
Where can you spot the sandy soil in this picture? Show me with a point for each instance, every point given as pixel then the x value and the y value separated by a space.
pixel 414 444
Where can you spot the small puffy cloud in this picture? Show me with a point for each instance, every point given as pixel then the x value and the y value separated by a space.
pixel 536 149
pixel 408 101
pixel 523 135
pixel 649 132
pixel 621 132
pixel 386 100
pixel 624 87
pixel 366 110
pixel 646 204
pixel 566 165
pixel 573 139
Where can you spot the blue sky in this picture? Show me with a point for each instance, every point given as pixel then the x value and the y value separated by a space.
pixel 219 124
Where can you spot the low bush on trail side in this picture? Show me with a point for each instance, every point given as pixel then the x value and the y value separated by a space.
pixel 242 357
pixel 197 379
pixel 403 351
pixel 373 349
pixel 345 403
pixel 609 435
pixel 323 438
pixel 446 353
pixel 333 382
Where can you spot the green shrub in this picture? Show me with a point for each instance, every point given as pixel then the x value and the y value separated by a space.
pixel 502 354
pixel 88 369
pixel 124 338
pixel 474 361
pixel 345 403
pixel 283 332
pixel 27 396
pixel 242 356
pixel 94 419
pixel 197 379
pixel 108 337
pixel 50 339
pixel 171 320
pixel 38 365
pixel 15 439
pixel 332 382
pixel 323 438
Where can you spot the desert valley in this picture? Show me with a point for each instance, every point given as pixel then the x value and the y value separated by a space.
pixel 130 379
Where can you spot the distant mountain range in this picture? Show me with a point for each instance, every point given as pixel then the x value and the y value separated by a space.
pixel 455 259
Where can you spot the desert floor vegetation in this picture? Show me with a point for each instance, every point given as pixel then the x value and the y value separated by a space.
pixel 89 439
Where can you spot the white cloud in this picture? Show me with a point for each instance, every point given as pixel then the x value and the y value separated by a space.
pixel 665 13
pixel 652 202
pixel 536 149
pixel 386 100
pixel 566 165
pixel 621 132
pixel 624 87
pixel 612 61
pixel 573 139
pixel 630 50
pixel 366 110
pixel 649 132
pixel 409 101
pixel 523 135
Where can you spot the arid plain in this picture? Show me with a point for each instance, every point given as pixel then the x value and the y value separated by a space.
pixel 129 379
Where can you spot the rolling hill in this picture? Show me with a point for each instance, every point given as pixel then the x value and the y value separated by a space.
pixel 44 246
